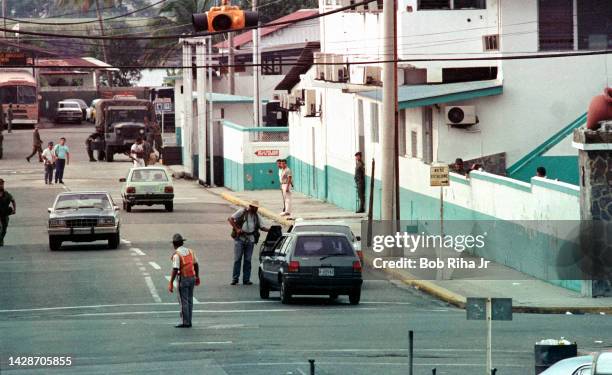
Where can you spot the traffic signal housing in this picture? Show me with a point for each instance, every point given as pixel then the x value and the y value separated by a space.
pixel 224 18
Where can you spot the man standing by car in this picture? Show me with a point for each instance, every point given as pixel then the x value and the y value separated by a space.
pixel 360 181
pixel 49 160
pixel 286 180
pixel 246 224
pixel 36 145
pixel 6 201
pixel 185 266
pixel 62 158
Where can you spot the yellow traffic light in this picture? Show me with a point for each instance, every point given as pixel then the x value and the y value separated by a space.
pixel 224 18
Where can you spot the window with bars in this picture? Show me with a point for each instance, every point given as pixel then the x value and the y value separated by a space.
pixel 413 144
pixel 451 4
pixel 556 25
pixel 271 65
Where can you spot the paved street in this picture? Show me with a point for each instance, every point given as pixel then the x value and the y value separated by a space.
pixel 110 310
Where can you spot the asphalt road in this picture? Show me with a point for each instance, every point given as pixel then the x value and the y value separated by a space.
pixel 109 310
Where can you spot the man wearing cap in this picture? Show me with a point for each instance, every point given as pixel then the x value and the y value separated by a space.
pixel 49 159
pixel 185 266
pixel 246 224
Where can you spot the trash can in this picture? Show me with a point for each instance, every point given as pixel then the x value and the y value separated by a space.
pixel 547 354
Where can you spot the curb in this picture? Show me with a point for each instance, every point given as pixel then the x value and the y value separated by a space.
pixel 431 288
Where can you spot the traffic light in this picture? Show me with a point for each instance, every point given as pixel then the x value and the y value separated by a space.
pixel 224 18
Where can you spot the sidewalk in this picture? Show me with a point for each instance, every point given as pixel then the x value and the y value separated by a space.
pixel 529 295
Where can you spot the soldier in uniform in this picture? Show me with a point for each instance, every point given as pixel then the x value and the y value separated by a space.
pixel 89 142
pixel 154 137
pixel 360 181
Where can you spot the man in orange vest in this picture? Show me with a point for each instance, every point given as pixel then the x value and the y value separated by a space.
pixel 185 266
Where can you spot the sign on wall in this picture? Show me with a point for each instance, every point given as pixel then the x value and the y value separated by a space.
pixel 267 153
pixel 438 175
pixel 14 59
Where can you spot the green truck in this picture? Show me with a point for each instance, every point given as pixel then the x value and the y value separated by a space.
pixel 119 122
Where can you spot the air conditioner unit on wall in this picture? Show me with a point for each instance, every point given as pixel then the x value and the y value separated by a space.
pixel 293 103
pixel 461 116
pixel 372 75
pixel 319 59
pixel 337 68
pixel 329 68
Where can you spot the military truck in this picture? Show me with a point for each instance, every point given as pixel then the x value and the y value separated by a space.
pixel 119 122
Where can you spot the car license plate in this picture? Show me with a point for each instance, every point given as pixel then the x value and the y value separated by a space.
pixel 326 272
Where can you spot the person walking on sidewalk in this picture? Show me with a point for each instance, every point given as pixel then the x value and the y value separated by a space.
pixel 360 181
pixel 184 266
pixel 246 224
pixel 36 145
pixel 7 207
pixel 49 160
pixel 286 181
pixel 279 165
pixel 62 158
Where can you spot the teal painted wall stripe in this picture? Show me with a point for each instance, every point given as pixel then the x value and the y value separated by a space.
pixel 547 145
pixel 250 176
pixel 467 95
pixel 549 184
pixel 501 181
pixel 461 180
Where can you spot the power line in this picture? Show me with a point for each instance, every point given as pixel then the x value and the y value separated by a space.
pixel 271 24
pixel 371 62
pixel 92 21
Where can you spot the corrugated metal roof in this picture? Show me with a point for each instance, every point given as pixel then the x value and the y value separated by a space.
pixel 84 62
pixel 411 96
pixel 247 36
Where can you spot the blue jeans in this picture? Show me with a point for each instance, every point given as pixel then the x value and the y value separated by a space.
pixel 185 288
pixel 59 170
pixel 48 173
pixel 242 249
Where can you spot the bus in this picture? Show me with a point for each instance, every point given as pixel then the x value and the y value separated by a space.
pixel 18 87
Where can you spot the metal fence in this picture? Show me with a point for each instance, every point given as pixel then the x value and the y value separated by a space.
pixel 269 134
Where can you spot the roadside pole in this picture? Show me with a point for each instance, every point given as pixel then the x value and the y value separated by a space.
pixel 211 132
pixel 187 108
pixel 202 87
pixel 389 99
pixel 256 72
pixel 231 69
pixel 489 320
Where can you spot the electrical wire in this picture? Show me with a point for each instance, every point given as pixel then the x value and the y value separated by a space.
pixel 88 22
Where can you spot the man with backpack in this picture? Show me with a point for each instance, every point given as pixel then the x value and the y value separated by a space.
pixel 246 224
pixel 185 267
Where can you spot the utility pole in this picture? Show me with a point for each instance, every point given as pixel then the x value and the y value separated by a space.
pixel 230 60
pixel 388 107
pixel 103 42
pixel 256 73
pixel 201 119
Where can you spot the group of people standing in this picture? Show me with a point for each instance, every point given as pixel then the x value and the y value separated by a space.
pixel 54 158
pixel 142 152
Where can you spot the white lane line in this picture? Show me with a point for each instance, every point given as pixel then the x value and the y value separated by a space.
pixel 137 251
pixel 126 242
pixel 301 372
pixel 145 274
pixel 202 343
pixel 132 304
pixel 195 311
pixel 142 269
pixel 152 289
pixel 155 265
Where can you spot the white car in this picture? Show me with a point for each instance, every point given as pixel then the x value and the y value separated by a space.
pixel 301 226
pixel 68 111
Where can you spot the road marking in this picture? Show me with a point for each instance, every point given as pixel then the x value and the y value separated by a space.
pixel 301 372
pixel 202 343
pixel 145 274
pixel 195 311
pixel 142 269
pixel 126 242
pixel 131 304
pixel 155 265
pixel 137 251
pixel 152 289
